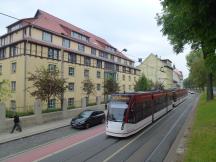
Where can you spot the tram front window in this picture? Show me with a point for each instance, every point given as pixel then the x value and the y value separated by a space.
pixel 116 112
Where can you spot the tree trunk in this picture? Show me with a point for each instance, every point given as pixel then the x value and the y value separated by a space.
pixel 210 95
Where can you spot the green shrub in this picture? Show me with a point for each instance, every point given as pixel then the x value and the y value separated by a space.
pixel 10 114
pixel 50 110
pixel 71 107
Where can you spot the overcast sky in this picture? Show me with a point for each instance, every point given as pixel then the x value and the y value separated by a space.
pixel 126 24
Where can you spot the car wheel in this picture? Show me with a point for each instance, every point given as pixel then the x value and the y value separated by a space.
pixel 87 126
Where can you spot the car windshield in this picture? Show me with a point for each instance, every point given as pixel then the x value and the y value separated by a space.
pixel 85 114
pixel 116 111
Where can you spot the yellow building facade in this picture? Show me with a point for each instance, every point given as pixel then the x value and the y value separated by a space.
pixel 47 41
pixel 157 70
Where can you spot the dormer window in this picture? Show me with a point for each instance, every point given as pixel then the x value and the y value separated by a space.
pixel 103 54
pixel 110 49
pixel 79 36
pixel 15 27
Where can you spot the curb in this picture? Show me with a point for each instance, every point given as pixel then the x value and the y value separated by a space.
pixel 9 139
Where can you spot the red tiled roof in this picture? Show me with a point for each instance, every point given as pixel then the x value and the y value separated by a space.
pixel 54 24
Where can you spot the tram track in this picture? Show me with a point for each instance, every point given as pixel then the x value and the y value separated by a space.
pixel 138 147
pixel 138 144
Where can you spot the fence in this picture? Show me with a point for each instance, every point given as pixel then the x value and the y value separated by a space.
pixel 39 117
pixel 21 111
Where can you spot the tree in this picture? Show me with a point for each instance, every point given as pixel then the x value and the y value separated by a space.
pixel 188 83
pixel 158 86
pixel 142 84
pixel 4 90
pixel 197 67
pixel 110 86
pixel 47 84
pixel 88 87
pixel 191 22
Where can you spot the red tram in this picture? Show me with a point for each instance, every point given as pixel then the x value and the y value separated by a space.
pixel 128 113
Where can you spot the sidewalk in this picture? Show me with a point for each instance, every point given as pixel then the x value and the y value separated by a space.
pixel 29 131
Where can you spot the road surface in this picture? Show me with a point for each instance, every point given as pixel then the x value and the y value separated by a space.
pixel 151 144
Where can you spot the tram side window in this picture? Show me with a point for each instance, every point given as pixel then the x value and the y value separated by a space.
pixel 156 104
pixel 138 112
pixel 147 110
pixel 169 99
pixel 131 117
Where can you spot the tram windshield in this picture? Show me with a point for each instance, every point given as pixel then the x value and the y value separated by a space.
pixel 117 111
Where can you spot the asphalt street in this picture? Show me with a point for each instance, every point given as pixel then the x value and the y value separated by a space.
pixel 151 144
pixel 20 145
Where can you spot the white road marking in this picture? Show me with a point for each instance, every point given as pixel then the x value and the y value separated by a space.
pixel 111 156
pixel 165 137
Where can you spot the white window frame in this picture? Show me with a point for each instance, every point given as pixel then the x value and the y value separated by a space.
pixel 13 67
pixel 13 86
pixel 71 101
pixel 71 71
pixel 47 37
pixel 66 43
pixel 81 47
pixel 71 86
pixel 51 104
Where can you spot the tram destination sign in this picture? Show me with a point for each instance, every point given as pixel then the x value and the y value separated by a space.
pixel 120 98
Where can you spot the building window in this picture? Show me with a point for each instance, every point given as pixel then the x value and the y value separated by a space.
pixel 71 86
pixel 70 102
pixel 66 43
pixel 117 67
pixel 47 37
pixel 53 53
pixel 109 66
pixel 124 69
pixel 0 69
pixel 119 60
pixel 13 67
pixel 13 51
pixel 98 87
pixel 52 103
pixel 2 53
pixel 93 51
pixel 15 27
pixel 123 77
pixel 52 68
pixel 98 74
pixel 99 64
pixel 110 49
pixel 87 61
pixel 112 57
pixel 81 47
pixel 103 54
pixel 72 58
pixel 125 62
pixel 134 78
pixel 71 71
pixel 79 36
pixel 86 73
pixel 13 104
pixel 129 87
pixel 129 78
pixel 13 86
pixel 129 70
pixel 135 72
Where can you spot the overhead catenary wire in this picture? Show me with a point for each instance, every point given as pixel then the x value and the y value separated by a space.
pixel 135 59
